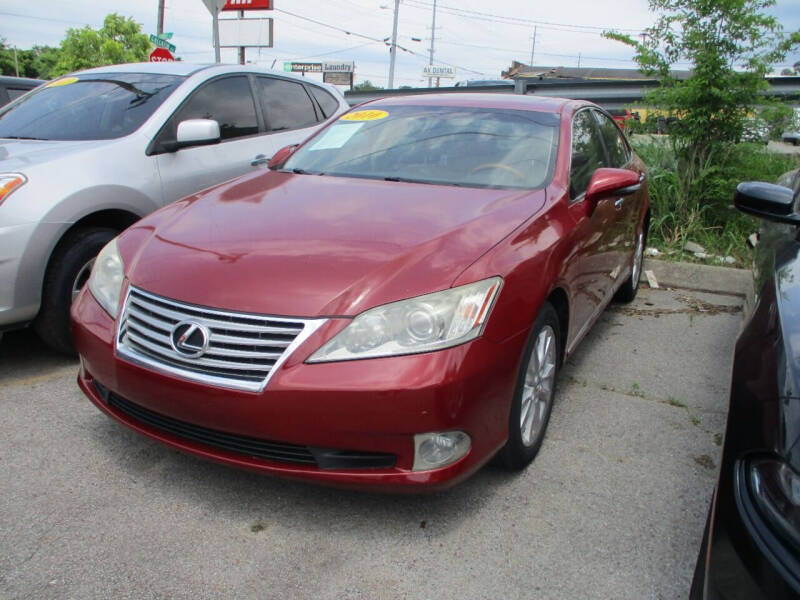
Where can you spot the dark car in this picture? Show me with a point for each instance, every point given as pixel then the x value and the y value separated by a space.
pixel 751 545
pixel 387 308
pixel 12 88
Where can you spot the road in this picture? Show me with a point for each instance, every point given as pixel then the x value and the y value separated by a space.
pixel 613 507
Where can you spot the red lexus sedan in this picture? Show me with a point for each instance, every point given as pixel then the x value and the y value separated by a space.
pixel 387 307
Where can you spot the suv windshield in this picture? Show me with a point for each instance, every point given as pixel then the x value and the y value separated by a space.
pixel 99 106
pixel 450 145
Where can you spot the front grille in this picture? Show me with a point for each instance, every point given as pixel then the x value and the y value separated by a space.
pixel 323 458
pixel 241 352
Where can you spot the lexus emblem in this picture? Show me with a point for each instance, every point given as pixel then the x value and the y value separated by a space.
pixel 189 339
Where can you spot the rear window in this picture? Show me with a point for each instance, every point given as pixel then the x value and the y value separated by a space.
pixel 328 103
pixel 449 145
pixel 99 106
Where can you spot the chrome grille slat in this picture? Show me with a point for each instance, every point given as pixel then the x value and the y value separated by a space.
pixel 243 349
pixel 211 322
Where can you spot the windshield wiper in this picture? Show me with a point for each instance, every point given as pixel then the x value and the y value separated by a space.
pixel 427 181
pixel 20 137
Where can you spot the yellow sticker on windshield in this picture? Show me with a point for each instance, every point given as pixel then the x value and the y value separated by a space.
pixel 60 82
pixel 365 115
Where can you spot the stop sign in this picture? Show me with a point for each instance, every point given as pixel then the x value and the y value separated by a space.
pixel 161 55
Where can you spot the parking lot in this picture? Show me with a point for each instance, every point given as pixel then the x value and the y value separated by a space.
pixel 613 507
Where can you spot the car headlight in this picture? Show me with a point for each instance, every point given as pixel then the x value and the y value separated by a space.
pixel 10 182
pixel 776 490
pixel 105 283
pixel 420 324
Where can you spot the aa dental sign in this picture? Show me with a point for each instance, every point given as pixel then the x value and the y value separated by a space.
pixel 439 71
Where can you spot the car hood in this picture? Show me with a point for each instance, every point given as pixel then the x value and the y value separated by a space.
pixel 308 245
pixel 20 155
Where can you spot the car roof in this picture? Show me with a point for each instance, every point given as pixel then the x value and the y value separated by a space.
pixel 186 69
pixel 479 100
pixel 22 81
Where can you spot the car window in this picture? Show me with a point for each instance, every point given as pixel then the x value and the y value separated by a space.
pixel 286 104
pixel 587 153
pixel 92 106
pixel 447 145
pixel 14 93
pixel 618 154
pixel 228 101
pixel 328 103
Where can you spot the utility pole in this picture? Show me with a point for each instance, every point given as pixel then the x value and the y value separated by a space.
pixel 533 45
pixel 160 21
pixel 393 49
pixel 241 48
pixel 215 26
pixel 579 60
pixel 433 37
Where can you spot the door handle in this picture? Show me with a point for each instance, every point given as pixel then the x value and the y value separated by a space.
pixel 260 159
pixel 619 202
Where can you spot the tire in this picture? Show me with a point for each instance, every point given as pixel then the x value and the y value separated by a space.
pixel 627 292
pixel 525 437
pixel 68 268
pixel 699 577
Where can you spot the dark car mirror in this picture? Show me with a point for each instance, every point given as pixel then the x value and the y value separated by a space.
pixel 612 182
pixel 766 200
pixel 281 156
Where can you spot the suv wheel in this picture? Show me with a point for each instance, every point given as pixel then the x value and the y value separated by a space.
pixel 67 272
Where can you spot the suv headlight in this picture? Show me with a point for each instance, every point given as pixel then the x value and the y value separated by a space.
pixel 10 182
pixel 776 490
pixel 422 324
pixel 105 282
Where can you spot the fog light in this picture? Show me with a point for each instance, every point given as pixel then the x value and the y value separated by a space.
pixel 432 450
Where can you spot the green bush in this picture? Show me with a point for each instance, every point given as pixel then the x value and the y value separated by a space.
pixel 700 208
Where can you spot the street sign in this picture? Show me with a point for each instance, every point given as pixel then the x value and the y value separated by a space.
pixel 338 66
pixel 253 33
pixel 161 43
pixel 161 55
pixel 439 71
pixel 338 78
pixel 214 6
pixel 248 5
pixel 328 66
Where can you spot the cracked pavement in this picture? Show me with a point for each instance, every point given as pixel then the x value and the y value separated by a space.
pixel 613 507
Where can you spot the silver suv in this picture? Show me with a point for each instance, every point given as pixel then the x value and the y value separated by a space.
pixel 85 156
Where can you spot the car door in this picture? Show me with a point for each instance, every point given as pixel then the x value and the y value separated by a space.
pixel 591 262
pixel 290 114
pixel 627 208
pixel 243 145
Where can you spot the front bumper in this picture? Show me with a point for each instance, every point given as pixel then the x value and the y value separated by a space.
pixel 372 406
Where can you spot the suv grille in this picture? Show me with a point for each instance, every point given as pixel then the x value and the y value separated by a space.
pixel 226 349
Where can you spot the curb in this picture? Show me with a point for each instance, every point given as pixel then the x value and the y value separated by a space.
pixel 704 278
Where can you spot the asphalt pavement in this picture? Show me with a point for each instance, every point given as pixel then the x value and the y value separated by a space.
pixel 613 507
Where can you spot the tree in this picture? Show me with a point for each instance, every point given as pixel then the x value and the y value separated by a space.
pixel 732 45
pixel 366 86
pixel 119 40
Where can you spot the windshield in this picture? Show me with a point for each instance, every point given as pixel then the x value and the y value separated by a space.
pixel 99 106
pixel 450 145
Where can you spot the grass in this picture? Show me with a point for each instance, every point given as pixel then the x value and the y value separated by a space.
pixel 702 210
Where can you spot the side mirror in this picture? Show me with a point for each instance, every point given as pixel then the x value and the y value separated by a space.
pixel 766 200
pixel 281 156
pixel 197 132
pixel 612 182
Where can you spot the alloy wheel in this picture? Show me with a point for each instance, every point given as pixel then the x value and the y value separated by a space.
pixel 537 391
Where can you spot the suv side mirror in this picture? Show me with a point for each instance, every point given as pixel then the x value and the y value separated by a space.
pixel 197 132
pixel 767 201
pixel 281 156
pixel 612 182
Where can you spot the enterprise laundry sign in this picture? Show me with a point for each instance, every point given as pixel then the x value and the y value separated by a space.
pixel 336 66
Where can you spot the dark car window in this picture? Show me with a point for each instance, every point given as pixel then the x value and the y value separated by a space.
pixel 447 145
pixel 228 101
pixel 328 103
pixel 618 154
pixel 587 153
pixel 14 93
pixel 99 106
pixel 286 104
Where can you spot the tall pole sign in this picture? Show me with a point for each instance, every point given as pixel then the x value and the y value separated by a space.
pixel 214 6
pixel 393 49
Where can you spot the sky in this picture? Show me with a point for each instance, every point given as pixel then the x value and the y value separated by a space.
pixel 480 39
